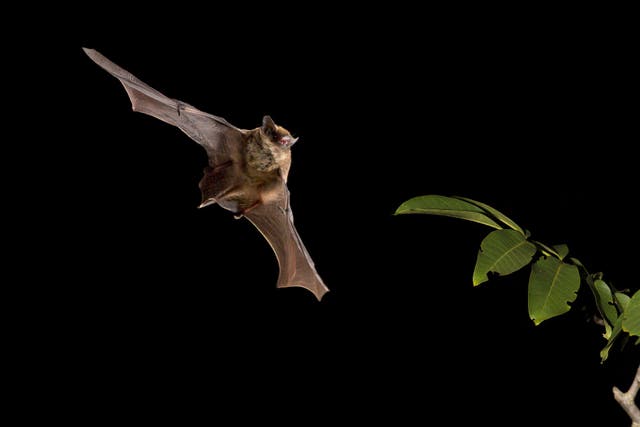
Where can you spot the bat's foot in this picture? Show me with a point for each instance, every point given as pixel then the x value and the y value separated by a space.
pixel 243 212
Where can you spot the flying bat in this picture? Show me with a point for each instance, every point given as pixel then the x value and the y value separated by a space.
pixel 246 174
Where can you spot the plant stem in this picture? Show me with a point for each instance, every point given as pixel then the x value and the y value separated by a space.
pixel 627 400
pixel 546 250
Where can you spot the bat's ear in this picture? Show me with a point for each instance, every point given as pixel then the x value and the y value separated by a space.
pixel 268 126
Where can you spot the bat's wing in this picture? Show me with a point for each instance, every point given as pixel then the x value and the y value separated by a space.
pixel 220 139
pixel 275 222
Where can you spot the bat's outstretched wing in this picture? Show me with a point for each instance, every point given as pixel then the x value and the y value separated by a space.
pixel 220 139
pixel 275 222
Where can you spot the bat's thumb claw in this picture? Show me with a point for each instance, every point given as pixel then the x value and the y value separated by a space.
pixel 207 203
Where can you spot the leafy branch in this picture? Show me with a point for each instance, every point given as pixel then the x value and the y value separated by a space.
pixel 554 281
pixel 555 278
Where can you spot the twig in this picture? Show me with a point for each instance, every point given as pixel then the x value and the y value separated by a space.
pixel 627 400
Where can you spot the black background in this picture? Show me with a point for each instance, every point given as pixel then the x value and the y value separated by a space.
pixel 172 311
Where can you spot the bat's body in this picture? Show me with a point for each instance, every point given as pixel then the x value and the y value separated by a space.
pixel 247 172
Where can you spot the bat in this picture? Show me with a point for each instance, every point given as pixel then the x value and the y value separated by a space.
pixel 246 174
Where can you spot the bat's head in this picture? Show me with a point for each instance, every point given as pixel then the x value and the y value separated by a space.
pixel 277 134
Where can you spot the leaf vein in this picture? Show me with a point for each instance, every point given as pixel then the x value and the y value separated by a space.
pixel 553 283
pixel 507 253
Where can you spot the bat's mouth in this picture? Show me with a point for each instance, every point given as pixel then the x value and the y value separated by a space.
pixel 287 141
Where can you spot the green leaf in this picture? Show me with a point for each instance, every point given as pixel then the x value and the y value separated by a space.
pixel 622 301
pixel 552 285
pixel 446 206
pixel 604 302
pixel 615 332
pixel 494 212
pixel 631 316
pixel 502 252
pixel 562 250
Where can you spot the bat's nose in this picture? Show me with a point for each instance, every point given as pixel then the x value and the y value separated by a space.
pixel 293 141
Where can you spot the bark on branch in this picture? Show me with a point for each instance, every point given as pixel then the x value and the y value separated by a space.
pixel 627 400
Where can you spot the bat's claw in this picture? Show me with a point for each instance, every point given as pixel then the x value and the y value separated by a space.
pixel 207 202
pixel 243 212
